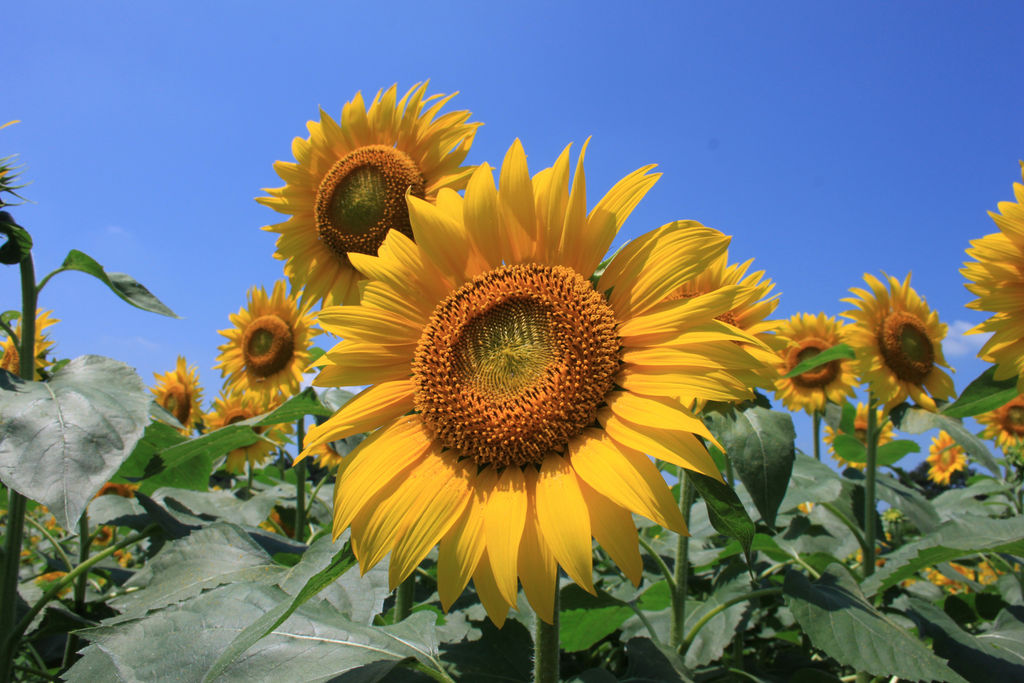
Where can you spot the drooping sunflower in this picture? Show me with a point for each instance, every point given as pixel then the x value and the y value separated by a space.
pixel 945 457
pixel 326 456
pixel 347 188
pixel 511 401
pixel 179 392
pixel 268 347
pixel 1005 424
pixel 898 342
pixel 996 277
pixel 232 407
pixel 10 360
pixel 860 432
pixel 804 336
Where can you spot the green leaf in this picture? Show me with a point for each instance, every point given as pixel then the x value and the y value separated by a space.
pixel 919 420
pixel 849 448
pixel 18 244
pixel 918 509
pixel 811 481
pixel 985 393
pixel 998 652
pixel 716 635
pixel 837 352
pixel 760 444
pixel 835 616
pixel 499 654
pixel 585 619
pixel 62 439
pixel 213 444
pixel 650 662
pixel 342 561
pixel 302 404
pixel 146 467
pixel 725 510
pixel 121 284
pixel 892 452
pixel 952 540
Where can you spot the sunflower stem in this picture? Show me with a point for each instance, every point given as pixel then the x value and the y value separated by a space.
pixel 16 503
pixel 681 575
pixel 248 481
pixel 817 435
pixel 870 513
pixel 84 540
pixel 546 650
pixel 403 597
pixel 300 486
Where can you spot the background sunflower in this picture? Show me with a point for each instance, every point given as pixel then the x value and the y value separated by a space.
pixel 178 391
pixel 945 457
pixel 10 360
pixel 799 338
pixel 1005 424
pixel 232 407
pixel 860 430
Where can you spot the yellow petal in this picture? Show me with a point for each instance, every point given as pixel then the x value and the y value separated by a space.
pixel 538 570
pixel 440 237
pixel 371 408
pixel 674 316
pixel 574 247
pixel 487 591
pixel 480 215
pixel 614 530
pixel 371 325
pixel 515 205
pixel 611 212
pixel 564 521
pixel 659 413
pixel 678 448
pixel 460 550
pixel 504 519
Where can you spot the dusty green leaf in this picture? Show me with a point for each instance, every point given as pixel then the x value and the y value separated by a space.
pixel 124 286
pixel 997 652
pixel 811 481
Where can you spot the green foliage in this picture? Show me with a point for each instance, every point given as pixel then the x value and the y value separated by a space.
pixel 124 286
pixel 985 393
pixel 18 244
pixel 837 352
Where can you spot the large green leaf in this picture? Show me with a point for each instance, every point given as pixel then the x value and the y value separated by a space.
pixel 918 509
pixel 146 467
pixel 811 481
pixel 503 654
pixel 299 405
pixel 919 420
pixel 585 619
pixel 651 662
pixel 120 284
pixel 62 439
pixel 712 639
pixel 725 510
pixel 985 393
pixel 994 655
pixel 838 620
pixel 760 444
pixel 957 538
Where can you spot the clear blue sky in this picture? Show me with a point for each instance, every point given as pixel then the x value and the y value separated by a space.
pixel 829 139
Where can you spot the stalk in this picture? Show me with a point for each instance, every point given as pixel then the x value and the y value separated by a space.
pixel 870 513
pixel 546 650
pixel 817 435
pixel 403 597
pixel 300 486
pixel 682 568
pixel 84 540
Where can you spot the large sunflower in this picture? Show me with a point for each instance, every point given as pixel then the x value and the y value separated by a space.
pixel 232 407
pixel 997 278
pixel 945 457
pixel 10 360
pixel 511 400
pixel 804 336
pixel 860 432
pixel 348 185
pixel 178 391
pixel 1005 425
pixel 898 342
pixel 268 347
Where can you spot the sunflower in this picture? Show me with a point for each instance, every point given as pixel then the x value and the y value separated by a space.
pixel 804 336
pixel 945 457
pixel 178 391
pixel 511 401
pixel 268 347
pixel 347 189
pixel 233 407
pixel 898 342
pixel 326 456
pixel 860 432
pixel 10 360
pixel 996 277
pixel 1005 425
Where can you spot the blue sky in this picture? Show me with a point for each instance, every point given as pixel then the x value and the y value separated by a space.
pixel 829 139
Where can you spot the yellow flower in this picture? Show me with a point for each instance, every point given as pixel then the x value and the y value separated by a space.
pixel 950 585
pixel 996 277
pixel 945 457
pixel 104 535
pixel 113 489
pixel 511 402
pixel 268 347
pixel 10 360
pixel 229 408
pixel 326 456
pixel 178 391
pixel 348 186
pixel 1005 425
pixel 860 432
pixel 804 336
pixel 50 579
pixel 898 342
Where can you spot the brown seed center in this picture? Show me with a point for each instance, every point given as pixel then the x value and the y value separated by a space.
pixel 267 345
pixel 817 377
pixel 906 347
pixel 178 404
pixel 1014 421
pixel 363 196
pixel 515 363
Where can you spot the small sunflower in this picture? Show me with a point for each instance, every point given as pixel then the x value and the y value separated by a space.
pixel 178 391
pixel 230 408
pixel 996 277
pixel 268 347
pixel 1005 425
pixel 860 432
pixel 804 336
pixel 347 188
pixel 11 360
pixel 326 456
pixel 898 342
pixel 945 457
pixel 511 402
pixel 951 585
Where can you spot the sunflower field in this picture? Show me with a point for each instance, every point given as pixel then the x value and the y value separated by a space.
pixel 463 438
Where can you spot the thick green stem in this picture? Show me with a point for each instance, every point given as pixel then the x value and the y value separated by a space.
pixel 817 435
pixel 403 597
pixel 546 651
pixel 870 472
pixel 300 487
pixel 681 574
pixel 84 540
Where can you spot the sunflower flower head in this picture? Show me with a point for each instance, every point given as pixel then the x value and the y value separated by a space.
pixel 231 407
pixel 178 391
pixel 860 432
pixel 945 457
pixel 1005 424
pixel 10 360
pixel 804 336
pixel 996 277
pixel 512 403
pixel 898 342
pixel 347 187
pixel 268 347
